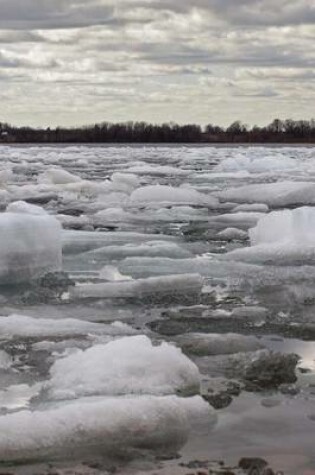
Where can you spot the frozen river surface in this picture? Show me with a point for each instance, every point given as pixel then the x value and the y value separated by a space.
pixel 157 309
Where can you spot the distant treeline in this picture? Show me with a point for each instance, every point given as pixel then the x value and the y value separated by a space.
pixel 279 131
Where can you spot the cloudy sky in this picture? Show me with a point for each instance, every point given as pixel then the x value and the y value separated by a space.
pixel 72 62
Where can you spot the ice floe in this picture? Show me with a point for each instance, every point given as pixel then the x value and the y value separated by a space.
pixel 22 326
pixel 105 426
pixel 58 176
pixel 275 195
pixel 281 237
pixel 165 195
pixel 30 243
pixel 130 365
pixel 155 289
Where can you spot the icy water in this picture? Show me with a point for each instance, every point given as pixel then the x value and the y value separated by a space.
pixel 169 342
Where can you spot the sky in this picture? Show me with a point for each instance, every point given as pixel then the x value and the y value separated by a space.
pixel 74 62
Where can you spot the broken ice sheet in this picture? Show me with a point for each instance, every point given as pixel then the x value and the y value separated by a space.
pixel 171 214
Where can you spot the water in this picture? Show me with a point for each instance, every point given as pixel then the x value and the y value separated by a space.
pixel 110 237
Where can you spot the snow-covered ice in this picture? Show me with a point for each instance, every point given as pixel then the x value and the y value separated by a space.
pixel 281 237
pixel 30 243
pixel 296 226
pixel 99 427
pixel 130 365
pixel 58 176
pixel 275 195
pixel 165 195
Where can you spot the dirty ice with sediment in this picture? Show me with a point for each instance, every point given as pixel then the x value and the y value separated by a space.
pixel 157 307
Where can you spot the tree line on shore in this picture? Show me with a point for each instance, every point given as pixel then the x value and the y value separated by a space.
pixel 278 131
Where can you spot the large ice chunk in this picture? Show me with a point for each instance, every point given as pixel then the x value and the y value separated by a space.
pixel 282 237
pixel 101 426
pixel 242 220
pixel 22 326
pixel 22 207
pixel 6 174
pixel 150 249
pixel 177 288
pixel 58 176
pixel 5 360
pixel 125 182
pixel 163 194
pixel 275 195
pixel 289 226
pixel 30 244
pixel 130 365
pixel 257 163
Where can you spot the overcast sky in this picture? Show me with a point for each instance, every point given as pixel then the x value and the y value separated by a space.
pixel 72 62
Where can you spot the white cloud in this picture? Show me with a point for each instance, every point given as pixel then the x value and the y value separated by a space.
pixel 80 61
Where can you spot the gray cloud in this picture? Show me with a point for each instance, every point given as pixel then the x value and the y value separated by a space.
pixel 265 12
pixel 9 36
pixel 42 14
pixel 248 12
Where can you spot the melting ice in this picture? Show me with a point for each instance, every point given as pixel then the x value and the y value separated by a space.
pixel 151 300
